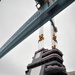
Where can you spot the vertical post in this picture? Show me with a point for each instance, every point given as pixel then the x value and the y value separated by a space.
pixel 41 38
pixel 53 35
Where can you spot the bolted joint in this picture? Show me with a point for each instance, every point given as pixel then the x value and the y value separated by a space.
pixel 54 47
pixel 55 30
pixel 54 38
pixel 41 37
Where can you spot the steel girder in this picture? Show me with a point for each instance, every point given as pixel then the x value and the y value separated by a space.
pixel 44 14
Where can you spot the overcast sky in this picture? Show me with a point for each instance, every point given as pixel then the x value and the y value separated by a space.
pixel 13 14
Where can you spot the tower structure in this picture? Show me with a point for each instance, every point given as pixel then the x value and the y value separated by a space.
pixel 47 62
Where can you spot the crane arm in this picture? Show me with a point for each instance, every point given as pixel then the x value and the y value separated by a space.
pixel 44 14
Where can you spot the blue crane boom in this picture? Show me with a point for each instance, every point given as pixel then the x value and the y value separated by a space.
pixel 46 12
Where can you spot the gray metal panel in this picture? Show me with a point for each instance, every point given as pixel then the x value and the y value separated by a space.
pixel 37 20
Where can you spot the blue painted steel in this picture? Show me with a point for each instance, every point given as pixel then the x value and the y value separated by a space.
pixel 43 15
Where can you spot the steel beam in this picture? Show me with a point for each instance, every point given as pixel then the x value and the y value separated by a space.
pixel 43 15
